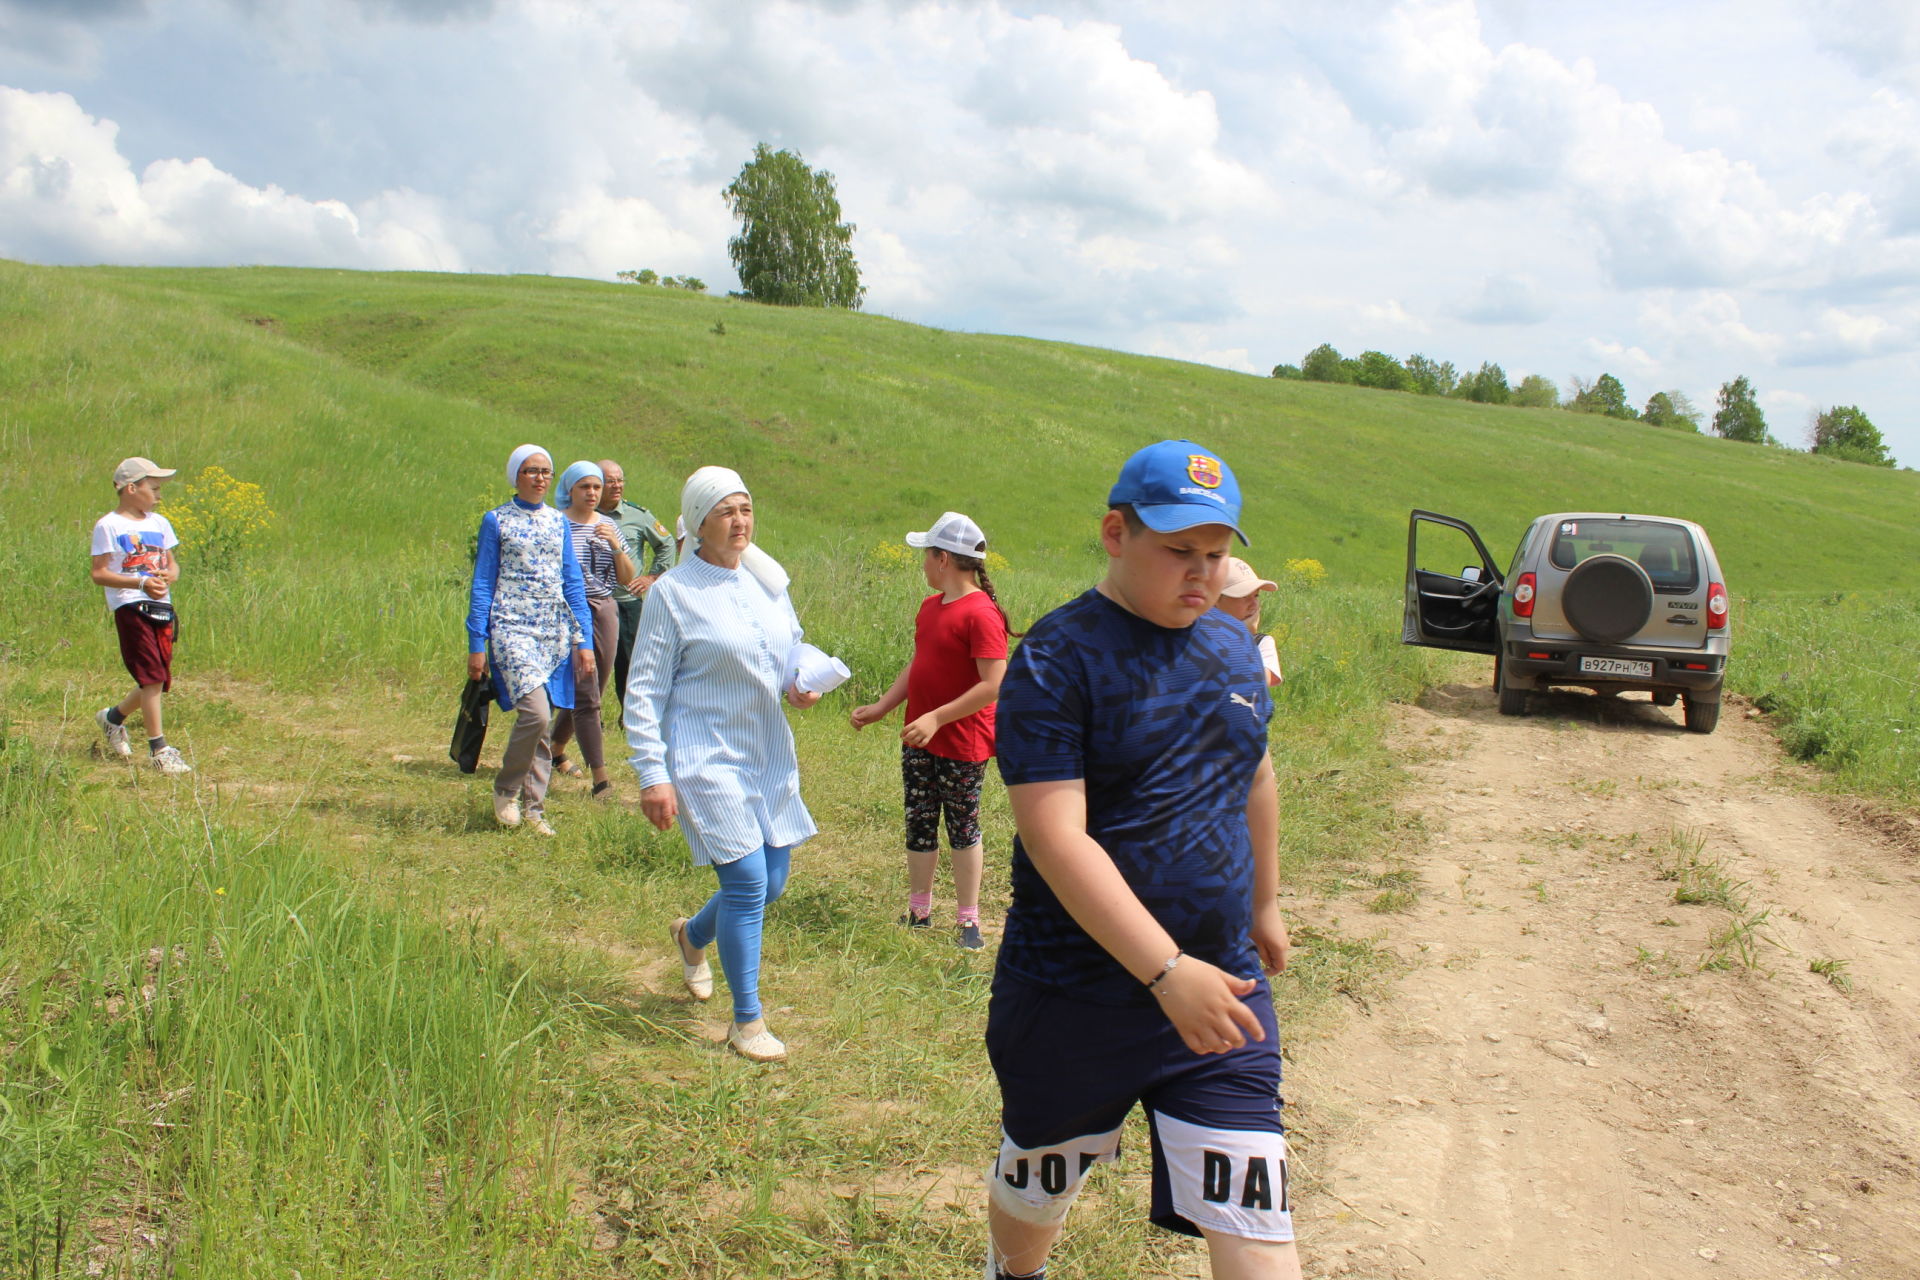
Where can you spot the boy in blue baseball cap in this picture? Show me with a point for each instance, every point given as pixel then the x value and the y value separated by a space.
pixel 1144 922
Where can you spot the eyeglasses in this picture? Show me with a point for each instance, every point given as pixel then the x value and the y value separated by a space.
pixel 535 473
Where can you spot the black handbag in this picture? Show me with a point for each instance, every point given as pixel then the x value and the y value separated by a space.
pixel 470 729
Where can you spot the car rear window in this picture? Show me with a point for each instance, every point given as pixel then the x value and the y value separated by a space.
pixel 1665 551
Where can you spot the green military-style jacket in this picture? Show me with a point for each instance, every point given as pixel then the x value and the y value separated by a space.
pixel 639 528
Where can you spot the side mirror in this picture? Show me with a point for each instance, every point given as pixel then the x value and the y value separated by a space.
pixel 1471 573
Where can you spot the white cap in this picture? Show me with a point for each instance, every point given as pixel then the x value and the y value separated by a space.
pixel 952 533
pixel 1243 581
pixel 134 470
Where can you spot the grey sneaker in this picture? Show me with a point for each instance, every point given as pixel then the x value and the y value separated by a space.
pixel 913 921
pixel 969 937
pixel 117 741
pixel 168 760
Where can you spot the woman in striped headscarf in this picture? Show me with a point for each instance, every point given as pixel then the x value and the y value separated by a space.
pixel 710 742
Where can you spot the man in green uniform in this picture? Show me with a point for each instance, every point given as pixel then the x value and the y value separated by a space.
pixel 637 527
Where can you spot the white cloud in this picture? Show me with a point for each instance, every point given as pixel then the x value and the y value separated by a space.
pixel 67 194
pixel 1389 316
pixel 597 234
pixel 1623 361
pixel 1789 414
pixel 1840 337
pixel 1703 322
pixel 1469 121
pixel 1506 299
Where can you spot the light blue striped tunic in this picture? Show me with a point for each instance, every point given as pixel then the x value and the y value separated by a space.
pixel 703 709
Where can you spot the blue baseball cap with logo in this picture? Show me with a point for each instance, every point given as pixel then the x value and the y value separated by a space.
pixel 1178 484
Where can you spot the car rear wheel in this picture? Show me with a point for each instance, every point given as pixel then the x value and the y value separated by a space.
pixel 1702 716
pixel 1607 598
pixel 1513 702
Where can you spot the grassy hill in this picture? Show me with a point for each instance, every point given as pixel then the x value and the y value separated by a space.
pixel 851 424
pixel 313 1012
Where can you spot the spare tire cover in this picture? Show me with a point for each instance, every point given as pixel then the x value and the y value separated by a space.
pixel 1607 598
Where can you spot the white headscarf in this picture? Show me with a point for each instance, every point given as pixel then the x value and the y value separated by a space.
pixel 518 459
pixel 703 492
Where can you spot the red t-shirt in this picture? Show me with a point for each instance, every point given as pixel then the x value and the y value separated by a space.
pixel 946 640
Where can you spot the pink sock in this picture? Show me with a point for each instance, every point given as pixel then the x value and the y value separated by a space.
pixel 969 916
pixel 921 904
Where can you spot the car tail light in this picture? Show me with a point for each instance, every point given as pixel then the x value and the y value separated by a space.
pixel 1716 606
pixel 1523 598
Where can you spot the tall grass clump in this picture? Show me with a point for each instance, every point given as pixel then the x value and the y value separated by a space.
pixel 219 1059
pixel 1840 674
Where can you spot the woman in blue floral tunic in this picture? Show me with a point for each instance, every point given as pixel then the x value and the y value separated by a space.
pixel 527 610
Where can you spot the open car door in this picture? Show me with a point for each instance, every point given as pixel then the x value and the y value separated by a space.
pixel 1450 608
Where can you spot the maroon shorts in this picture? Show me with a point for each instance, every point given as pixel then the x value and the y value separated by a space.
pixel 147 649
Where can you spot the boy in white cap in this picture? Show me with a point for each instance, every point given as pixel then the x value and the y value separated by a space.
pixel 1240 598
pixel 134 561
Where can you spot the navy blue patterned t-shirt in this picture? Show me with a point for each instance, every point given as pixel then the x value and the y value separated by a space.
pixel 1167 727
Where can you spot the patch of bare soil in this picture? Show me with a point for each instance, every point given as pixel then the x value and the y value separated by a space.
pixel 1557 1087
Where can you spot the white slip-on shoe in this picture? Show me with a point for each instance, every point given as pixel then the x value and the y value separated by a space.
pixel 117 740
pixel 537 823
pixel 506 810
pixel 698 977
pixel 168 760
pixel 752 1041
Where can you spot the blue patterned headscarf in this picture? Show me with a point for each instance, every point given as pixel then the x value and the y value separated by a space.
pixel 573 475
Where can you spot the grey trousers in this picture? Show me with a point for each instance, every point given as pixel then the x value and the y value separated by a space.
pixel 528 762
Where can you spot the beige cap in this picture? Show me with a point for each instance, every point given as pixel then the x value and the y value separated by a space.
pixel 1243 581
pixel 134 470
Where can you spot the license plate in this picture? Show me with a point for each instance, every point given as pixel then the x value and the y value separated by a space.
pixel 1616 667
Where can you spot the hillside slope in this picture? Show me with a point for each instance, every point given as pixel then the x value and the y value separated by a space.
pixel 851 423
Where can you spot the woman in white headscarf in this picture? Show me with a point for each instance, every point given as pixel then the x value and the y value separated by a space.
pixel 710 742
pixel 526 612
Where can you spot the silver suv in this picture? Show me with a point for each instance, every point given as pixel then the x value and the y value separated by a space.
pixel 1610 602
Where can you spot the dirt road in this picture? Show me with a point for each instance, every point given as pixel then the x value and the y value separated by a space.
pixel 1557 1087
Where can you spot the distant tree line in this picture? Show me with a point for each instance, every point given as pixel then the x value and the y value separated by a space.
pixel 647 275
pixel 1842 432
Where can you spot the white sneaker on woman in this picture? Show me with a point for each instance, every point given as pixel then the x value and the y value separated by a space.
pixel 506 810
pixel 698 977
pixel 752 1041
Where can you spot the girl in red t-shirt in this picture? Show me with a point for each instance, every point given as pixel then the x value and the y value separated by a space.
pixel 959 655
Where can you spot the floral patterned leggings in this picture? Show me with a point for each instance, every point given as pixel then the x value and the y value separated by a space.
pixel 935 783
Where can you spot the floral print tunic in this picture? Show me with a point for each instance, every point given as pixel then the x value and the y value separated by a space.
pixel 528 607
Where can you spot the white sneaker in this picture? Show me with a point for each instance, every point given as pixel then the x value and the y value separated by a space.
pixel 168 760
pixel 537 823
pixel 752 1041
pixel 506 810
pixel 698 977
pixel 117 741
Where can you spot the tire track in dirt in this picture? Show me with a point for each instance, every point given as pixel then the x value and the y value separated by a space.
pixel 1556 1087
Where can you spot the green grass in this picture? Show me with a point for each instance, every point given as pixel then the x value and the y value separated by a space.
pixel 401 1043
pixel 1840 673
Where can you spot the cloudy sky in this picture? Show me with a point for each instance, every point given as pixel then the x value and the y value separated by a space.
pixel 1673 193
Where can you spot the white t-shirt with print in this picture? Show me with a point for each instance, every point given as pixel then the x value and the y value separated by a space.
pixel 132 546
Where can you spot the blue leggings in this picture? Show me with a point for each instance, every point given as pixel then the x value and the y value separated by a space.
pixel 733 915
